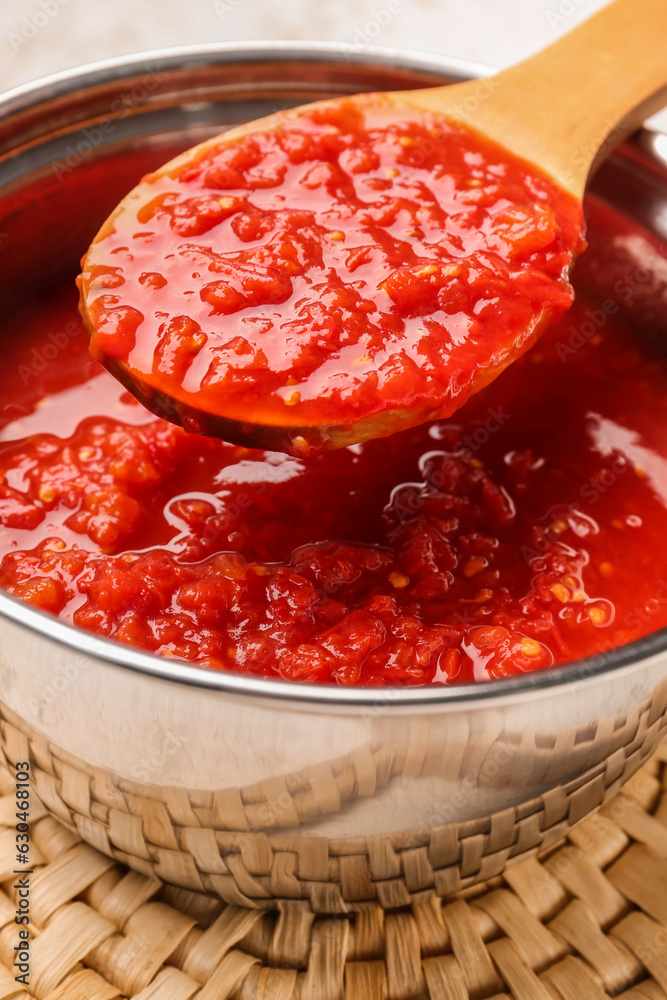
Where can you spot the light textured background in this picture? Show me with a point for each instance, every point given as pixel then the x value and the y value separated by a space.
pixel 42 36
pixel 38 37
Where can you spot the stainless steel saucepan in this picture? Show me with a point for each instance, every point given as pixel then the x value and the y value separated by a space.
pixel 262 790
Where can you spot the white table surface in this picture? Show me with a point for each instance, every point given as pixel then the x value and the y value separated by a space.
pixel 38 37
pixel 41 36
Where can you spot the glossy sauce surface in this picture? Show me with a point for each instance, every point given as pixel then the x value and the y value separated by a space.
pixel 528 531
pixel 342 265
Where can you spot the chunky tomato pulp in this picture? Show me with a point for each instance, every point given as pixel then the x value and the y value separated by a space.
pixel 342 266
pixel 528 531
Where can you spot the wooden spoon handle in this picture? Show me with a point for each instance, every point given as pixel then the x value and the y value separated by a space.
pixel 565 106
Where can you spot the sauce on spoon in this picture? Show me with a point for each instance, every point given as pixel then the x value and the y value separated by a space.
pixel 347 273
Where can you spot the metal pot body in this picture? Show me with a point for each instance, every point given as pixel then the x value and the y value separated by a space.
pixel 258 790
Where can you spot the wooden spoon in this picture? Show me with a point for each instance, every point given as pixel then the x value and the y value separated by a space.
pixel 561 110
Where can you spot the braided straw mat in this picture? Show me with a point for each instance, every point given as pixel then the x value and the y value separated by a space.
pixel 586 921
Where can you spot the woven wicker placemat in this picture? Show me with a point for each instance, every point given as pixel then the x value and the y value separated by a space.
pixel 585 922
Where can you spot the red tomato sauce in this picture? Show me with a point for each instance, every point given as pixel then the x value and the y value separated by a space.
pixel 527 531
pixel 337 267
